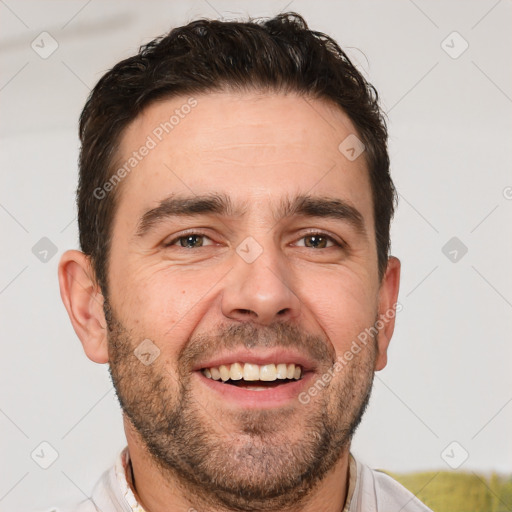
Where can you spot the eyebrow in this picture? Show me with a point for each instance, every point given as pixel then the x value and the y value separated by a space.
pixel 222 206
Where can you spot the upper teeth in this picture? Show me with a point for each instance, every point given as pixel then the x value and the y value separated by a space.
pixel 249 371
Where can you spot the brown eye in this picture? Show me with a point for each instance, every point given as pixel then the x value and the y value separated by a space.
pixel 319 241
pixel 316 241
pixel 189 241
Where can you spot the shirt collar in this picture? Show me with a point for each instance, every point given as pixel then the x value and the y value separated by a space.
pixel 123 474
pixel 352 478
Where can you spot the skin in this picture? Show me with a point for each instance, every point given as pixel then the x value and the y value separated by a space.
pixel 191 302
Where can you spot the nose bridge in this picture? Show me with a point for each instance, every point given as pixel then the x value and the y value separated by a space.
pixel 260 286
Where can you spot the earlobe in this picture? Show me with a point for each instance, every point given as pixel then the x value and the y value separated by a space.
pixel 83 301
pixel 388 297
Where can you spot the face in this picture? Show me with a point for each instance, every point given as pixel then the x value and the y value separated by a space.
pixel 243 244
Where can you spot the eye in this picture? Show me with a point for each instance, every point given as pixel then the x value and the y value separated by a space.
pixel 192 240
pixel 319 241
pixel 189 241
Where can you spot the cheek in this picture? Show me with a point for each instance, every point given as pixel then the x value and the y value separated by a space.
pixel 164 304
pixel 344 307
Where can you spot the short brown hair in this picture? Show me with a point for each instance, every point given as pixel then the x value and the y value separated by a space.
pixel 278 55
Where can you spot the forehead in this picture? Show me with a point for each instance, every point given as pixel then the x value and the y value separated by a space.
pixel 255 148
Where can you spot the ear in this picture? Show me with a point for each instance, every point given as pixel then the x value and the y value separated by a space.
pixel 388 296
pixel 83 300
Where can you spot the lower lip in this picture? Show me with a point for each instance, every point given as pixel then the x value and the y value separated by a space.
pixel 258 399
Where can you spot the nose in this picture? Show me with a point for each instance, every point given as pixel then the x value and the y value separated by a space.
pixel 260 291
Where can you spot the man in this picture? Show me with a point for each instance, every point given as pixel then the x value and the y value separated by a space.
pixel 234 211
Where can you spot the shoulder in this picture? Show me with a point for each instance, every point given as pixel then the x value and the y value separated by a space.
pixel 105 498
pixel 83 506
pixel 378 492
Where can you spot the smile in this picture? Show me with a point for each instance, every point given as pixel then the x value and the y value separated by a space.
pixel 236 372
pixel 253 377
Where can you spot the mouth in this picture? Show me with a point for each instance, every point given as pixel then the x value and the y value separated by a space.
pixel 251 386
pixel 255 377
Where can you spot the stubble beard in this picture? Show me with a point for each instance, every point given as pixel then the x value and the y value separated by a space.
pixel 252 460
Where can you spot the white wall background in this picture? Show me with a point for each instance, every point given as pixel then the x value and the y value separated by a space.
pixel 449 376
